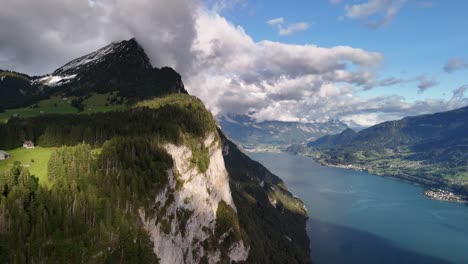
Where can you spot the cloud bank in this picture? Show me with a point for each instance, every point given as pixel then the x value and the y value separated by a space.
pixel 219 61
pixel 37 36
pixel 277 81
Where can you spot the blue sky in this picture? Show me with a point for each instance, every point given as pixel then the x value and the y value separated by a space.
pixel 420 39
pixel 360 61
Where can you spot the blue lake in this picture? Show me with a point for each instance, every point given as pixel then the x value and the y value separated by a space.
pixel 356 217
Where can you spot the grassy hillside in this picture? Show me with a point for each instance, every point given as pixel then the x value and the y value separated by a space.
pixel 54 105
pixel 103 103
pixel 68 105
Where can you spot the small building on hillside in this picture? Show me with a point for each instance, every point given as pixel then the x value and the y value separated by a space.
pixel 28 145
pixel 4 155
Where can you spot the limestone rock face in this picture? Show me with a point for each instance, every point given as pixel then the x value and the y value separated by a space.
pixel 186 210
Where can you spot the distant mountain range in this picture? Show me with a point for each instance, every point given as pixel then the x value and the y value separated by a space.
pixel 429 149
pixel 274 134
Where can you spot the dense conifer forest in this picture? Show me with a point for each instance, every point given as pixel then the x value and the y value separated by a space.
pixel 105 167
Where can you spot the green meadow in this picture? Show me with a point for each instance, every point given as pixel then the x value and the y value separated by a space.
pixel 58 105
pixel 35 160
pixel 54 105
pixel 100 103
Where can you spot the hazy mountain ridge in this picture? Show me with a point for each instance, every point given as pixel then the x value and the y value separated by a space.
pixel 430 149
pixel 251 134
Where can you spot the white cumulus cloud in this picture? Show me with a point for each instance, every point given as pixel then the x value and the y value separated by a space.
pixel 276 21
pixel 289 29
pixel 375 13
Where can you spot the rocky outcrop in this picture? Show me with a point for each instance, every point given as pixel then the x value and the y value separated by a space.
pixel 183 228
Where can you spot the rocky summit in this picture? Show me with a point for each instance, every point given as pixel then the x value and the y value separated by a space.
pixel 121 67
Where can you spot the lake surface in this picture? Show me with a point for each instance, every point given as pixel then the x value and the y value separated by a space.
pixel 356 217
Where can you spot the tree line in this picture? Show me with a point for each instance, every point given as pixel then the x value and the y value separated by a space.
pixel 169 123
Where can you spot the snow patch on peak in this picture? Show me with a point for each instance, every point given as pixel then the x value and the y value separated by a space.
pixel 307 129
pixel 118 48
pixel 55 80
pixel 88 59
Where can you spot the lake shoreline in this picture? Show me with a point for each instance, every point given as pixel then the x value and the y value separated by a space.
pixel 433 190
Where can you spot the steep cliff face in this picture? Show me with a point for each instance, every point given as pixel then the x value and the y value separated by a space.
pixel 189 226
pixel 274 219
pixel 236 211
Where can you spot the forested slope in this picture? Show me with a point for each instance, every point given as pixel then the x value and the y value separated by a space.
pixel 109 165
pixel 101 172
pixel 139 177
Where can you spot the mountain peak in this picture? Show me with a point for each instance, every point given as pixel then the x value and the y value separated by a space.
pixel 127 52
pixel 121 67
pixel 348 131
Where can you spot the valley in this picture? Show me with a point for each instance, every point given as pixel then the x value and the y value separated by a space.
pixel 405 149
pixel 274 136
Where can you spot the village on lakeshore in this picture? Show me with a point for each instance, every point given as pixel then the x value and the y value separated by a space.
pixel 443 195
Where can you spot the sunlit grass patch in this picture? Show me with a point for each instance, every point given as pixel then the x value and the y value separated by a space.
pixel 36 160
